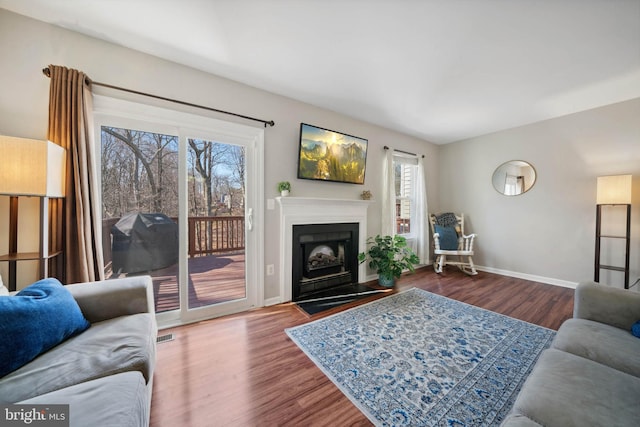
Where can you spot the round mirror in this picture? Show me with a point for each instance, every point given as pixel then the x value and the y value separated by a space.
pixel 514 177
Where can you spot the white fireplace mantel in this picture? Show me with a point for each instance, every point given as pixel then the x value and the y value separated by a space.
pixel 310 210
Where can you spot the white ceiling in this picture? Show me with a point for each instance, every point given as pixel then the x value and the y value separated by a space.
pixel 442 70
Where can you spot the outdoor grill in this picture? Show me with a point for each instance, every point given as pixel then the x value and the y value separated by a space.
pixel 144 242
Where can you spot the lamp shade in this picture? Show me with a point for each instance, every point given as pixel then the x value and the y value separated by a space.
pixel 614 190
pixel 30 167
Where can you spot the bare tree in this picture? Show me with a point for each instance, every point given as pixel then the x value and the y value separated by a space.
pixel 207 155
pixel 138 176
pixel 140 172
pixel 238 165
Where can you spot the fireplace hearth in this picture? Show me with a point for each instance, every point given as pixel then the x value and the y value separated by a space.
pixel 325 258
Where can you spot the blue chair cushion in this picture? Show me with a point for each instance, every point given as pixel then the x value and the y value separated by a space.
pixel 448 238
pixel 36 319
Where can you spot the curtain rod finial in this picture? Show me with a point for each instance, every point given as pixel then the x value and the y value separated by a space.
pixel 46 71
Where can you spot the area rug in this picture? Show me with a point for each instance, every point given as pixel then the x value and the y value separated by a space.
pixel 420 359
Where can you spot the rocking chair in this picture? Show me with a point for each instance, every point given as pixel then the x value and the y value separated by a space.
pixel 449 240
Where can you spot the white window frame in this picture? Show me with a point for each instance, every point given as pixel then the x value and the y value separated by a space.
pixel 410 164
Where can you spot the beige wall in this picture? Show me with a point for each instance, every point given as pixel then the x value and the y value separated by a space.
pixel 27 46
pixel 548 232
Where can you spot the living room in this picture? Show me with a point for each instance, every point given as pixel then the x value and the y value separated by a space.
pixel 546 235
pixel 568 152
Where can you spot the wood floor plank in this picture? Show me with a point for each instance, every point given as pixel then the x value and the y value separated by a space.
pixel 243 370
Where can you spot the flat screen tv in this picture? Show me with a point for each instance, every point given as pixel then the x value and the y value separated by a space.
pixel 328 155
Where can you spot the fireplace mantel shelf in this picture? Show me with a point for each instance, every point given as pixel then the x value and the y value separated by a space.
pixel 307 201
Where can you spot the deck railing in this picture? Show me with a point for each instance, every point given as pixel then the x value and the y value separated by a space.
pixel 214 234
pixel 207 235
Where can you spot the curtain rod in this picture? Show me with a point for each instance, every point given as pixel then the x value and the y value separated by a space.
pixel 404 152
pixel 47 73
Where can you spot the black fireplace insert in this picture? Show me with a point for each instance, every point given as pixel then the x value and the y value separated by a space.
pixel 325 257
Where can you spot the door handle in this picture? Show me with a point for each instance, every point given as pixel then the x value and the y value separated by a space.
pixel 250 219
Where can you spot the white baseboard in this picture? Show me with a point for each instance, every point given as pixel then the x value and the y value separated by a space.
pixel 369 278
pixel 532 277
pixel 272 301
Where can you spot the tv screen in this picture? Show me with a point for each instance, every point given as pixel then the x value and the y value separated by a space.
pixel 327 155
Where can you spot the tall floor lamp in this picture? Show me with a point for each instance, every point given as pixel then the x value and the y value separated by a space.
pixel 30 168
pixel 613 190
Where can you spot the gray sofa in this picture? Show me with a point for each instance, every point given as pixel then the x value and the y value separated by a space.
pixel 591 374
pixel 105 373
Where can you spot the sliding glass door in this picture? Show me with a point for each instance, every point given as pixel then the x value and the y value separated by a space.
pixel 181 203
pixel 140 208
pixel 216 222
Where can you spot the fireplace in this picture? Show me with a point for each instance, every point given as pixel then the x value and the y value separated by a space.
pixel 296 211
pixel 324 258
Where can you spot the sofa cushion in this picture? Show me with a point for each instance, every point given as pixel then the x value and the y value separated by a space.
pixel 117 345
pixel 605 344
pixel 568 390
pixel 120 400
pixel 34 320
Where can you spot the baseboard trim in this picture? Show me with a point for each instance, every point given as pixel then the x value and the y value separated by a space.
pixel 272 301
pixel 532 277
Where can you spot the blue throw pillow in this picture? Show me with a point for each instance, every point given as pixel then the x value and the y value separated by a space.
pixel 34 320
pixel 635 329
pixel 448 238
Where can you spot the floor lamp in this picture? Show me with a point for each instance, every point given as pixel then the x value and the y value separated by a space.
pixel 31 168
pixel 613 190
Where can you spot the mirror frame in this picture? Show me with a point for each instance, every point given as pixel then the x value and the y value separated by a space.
pixel 502 169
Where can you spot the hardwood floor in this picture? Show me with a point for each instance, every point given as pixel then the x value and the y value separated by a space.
pixel 243 370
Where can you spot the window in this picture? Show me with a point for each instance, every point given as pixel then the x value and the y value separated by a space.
pixel 405 176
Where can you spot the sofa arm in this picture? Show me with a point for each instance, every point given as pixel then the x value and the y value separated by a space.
pixel 109 299
pixel 604 304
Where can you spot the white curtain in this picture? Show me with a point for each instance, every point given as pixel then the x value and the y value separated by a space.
pixel 388 195
pixel 421 226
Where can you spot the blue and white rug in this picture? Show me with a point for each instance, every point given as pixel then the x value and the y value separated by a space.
pixel 420 359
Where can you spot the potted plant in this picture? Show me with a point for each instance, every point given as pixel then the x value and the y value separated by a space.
pixel 389 256
pixel 284 187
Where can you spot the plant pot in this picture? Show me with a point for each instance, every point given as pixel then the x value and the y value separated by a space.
pixel 284 193
pixel 386 280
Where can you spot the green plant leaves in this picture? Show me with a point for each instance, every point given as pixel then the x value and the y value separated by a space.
pixel 389 255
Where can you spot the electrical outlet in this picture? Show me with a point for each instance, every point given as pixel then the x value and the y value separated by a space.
pixel 270 270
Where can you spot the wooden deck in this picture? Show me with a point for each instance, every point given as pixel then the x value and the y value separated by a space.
pixel 216 263
pixel 213 279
